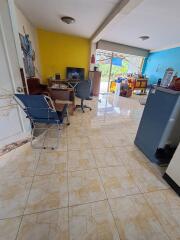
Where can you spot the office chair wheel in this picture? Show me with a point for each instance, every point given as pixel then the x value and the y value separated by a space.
pixel 90 109
pixel 68 124
pixel 52 148
pixel 44 147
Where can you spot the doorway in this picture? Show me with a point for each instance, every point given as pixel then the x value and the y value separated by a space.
pixel 113 65
pixel 103 59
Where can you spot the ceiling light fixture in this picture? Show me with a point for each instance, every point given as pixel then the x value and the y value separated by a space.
pixel 143 38
pixel 68 20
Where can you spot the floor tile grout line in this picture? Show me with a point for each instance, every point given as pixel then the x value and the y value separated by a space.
pixel 140 193
pixel 68 183
pixel 34 213
pixel 29 192
pixel 96 148
pixel 95 168
pixel 107 199
pixel 127 169
pixel 89 169
pixel 144 192
pixel 123 165
pixel 136 183
pixel 109 205
pixel 73 205
pixel 6 218
pixel 154 213
pixel 79 204
pixel 120 164
pixel 68 172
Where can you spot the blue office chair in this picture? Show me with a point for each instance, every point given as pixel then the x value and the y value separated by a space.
pixel 42 114
pixel 83 91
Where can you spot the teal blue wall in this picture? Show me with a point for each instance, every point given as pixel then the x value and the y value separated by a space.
pixel 157 63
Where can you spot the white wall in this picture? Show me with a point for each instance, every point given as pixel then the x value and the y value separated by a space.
pixel 173 169
pixel 121 48
pixel 31 30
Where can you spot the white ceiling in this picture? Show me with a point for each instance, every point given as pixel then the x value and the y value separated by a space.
pixel 89 14
pixel 159 19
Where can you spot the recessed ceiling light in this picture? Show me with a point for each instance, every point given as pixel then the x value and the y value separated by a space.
pixel 143 38
pixel 68 20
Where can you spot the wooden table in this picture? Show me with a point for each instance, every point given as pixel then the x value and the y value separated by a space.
pixel 70 83
pixel 63 96
pixel 138 83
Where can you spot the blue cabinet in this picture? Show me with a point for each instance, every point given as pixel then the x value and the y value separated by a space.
pixel 162 105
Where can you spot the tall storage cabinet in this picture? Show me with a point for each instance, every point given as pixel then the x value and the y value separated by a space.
pixel 95 77
pixel 159 124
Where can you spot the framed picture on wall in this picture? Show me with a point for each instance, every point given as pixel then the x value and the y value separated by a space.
pixel 28 55
pixel 168 76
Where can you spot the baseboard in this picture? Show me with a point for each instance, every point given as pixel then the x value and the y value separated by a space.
pixel 9 147
pixel 171 182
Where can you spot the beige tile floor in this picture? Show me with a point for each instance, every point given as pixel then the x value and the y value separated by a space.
pixel 96 186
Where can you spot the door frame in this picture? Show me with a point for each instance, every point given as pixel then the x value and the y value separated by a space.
pixel 110 70
pixel 14 22
pixel 10 96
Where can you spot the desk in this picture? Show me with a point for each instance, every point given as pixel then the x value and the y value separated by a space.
pixel 63 96
pixel 70 83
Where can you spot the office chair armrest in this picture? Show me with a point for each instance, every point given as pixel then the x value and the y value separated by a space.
pixel 50 103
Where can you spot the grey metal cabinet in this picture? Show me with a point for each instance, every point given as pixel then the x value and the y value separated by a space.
pixel 161 108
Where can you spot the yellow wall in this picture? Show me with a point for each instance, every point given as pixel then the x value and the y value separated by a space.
pixel 58 51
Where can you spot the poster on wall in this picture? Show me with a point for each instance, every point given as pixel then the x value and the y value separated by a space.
pixel 168 76
pixel 28 55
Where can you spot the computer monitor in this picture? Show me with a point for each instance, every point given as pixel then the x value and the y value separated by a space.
pixel 57 76
pixel 74 73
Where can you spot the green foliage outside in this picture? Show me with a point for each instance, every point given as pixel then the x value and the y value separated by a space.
pixel 116 71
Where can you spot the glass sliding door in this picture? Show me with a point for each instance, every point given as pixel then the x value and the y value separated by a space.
pixel 104 63
pixel 113 65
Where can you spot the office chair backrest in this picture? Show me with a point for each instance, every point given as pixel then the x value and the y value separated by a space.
pixel 37 106
pixel 83 89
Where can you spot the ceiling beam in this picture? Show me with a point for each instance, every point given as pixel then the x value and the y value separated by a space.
pixel 121 9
